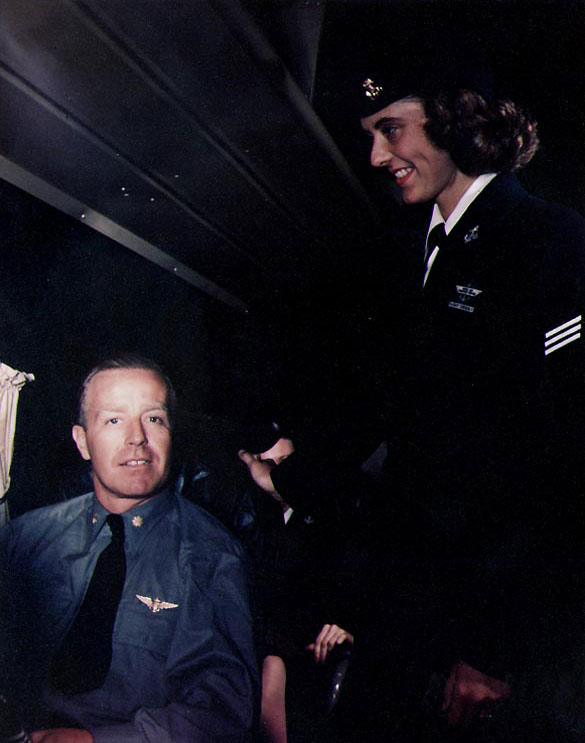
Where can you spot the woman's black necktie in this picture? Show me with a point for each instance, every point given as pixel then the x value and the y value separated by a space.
pixel 84 659
pixel 436 241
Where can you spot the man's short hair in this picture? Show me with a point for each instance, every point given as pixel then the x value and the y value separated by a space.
pixel 128 361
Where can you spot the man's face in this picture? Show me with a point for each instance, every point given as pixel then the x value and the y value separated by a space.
pixel 127 436
pixel 400 144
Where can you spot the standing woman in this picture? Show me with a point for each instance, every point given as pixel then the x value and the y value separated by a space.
pixel 484 472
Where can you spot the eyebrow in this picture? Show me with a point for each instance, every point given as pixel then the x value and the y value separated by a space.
pixel 162 407
pixel 156 406
pixel 386 120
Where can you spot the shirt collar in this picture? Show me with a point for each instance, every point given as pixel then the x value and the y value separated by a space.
pixel 138 521
pixel 462 205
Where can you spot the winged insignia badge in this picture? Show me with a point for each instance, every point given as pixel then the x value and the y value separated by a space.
pixel 156 605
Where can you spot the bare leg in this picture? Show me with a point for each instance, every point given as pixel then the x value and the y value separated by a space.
pixel 272 711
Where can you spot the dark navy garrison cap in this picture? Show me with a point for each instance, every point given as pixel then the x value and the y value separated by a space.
pixel 261 435
pixel 376 83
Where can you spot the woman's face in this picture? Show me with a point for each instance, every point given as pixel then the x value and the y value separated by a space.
pixel 423 171
pixel 278 453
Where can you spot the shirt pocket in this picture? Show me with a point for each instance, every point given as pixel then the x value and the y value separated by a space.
pixel 147 623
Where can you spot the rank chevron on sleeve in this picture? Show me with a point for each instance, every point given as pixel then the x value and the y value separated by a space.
pixel 562 335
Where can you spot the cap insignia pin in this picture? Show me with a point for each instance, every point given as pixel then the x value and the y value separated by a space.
pixel 371 90
pixel 473 234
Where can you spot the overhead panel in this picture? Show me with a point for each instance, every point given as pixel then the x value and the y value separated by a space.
pixel 177 122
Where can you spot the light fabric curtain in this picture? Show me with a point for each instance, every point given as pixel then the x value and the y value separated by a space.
pixel 11 382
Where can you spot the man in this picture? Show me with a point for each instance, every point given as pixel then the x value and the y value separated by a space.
pixel 483 458
pixel 181 663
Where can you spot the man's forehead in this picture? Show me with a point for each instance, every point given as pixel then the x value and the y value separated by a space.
pixel 120 384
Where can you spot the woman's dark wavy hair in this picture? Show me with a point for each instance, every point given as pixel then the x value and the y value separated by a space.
pixel 480 137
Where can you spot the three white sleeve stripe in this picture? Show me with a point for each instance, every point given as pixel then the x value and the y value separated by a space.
pixel 562 335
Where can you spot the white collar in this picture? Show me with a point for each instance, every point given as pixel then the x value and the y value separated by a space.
pixel 462 205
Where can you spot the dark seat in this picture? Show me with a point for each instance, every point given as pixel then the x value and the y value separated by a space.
pixel 313 693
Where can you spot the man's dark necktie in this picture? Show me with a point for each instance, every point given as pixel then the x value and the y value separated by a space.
pixel 84 659
pixel 436 241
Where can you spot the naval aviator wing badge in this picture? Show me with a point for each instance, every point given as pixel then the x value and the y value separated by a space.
pixel 156 605
pixel 466 294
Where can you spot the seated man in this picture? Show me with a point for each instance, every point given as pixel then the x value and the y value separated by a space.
pixel 128 606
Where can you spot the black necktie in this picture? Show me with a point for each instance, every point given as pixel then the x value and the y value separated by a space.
pixel 437 239
pixel 84 659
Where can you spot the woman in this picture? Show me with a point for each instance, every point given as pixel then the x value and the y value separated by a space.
pixel 298 555
pixel 486 425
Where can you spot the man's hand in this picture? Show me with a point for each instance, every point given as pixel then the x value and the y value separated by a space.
pixel 62 735
pixel 330 636
pixel 470 694
pixel 260 472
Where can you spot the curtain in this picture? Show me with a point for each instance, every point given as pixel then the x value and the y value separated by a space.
pixel 11 382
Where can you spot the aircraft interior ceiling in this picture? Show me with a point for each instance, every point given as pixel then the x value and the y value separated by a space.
pixel 176 129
